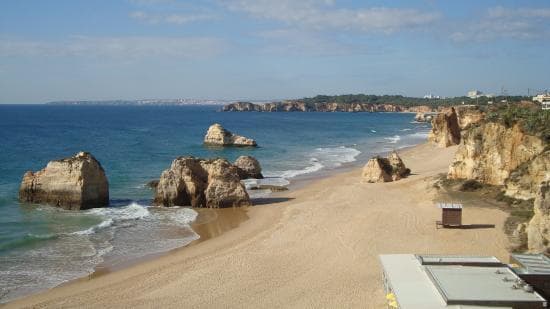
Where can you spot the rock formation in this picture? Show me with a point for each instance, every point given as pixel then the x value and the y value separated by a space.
pixel 489 153
pixel 445 129
pixel 201 183
pixel 468 115
pixel 538 229
pixel 78 182
pixel 525 180
pixel 248 167
pixel 387 169
pixel 422 117
pixel 217 135
pixel 300 106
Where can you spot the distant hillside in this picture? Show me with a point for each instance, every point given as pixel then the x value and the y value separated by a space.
pixel 152 102
pixel 363 103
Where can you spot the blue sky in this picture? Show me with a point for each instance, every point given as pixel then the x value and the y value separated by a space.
pixel 260 49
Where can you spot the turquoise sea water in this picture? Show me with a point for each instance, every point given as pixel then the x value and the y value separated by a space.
pixel 42 246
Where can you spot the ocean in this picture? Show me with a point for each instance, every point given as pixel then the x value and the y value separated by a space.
pixel 43 246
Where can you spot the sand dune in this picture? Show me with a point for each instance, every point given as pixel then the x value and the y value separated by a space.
pixel 318 249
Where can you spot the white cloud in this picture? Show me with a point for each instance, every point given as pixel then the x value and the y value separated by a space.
pixel 502 12
pixel 297 42
pixel 117 47
pixel 501 23
pixel 170 18
pixel 322 14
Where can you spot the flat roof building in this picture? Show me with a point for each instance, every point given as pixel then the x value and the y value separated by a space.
pixel 446 281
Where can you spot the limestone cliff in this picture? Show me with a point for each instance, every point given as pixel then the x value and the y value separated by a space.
pixel 445 129
pixel 201 183
pixel 538 229
pixel 490 152
pixel 78 182
pixel 217 135
pixel 300 106
pixel 525 180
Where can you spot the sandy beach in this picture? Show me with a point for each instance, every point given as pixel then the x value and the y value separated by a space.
pixel 313 247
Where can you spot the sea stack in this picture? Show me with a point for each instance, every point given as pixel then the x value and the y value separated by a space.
pixel 78 182
pixel 201 183
pixel 248 167
pixel 218 136
pixel 387 169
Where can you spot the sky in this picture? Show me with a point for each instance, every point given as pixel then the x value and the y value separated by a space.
pixel 263 50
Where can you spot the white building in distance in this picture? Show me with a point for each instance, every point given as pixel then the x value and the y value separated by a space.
pixel 474 94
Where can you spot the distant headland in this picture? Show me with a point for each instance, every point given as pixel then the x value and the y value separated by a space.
pixel 367 103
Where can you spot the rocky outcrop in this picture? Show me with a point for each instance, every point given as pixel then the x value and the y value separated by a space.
pixel 525 180
pixel 300 106
pixel 248 167
pixel 490 152
pixel 201 183
pixel 217 135
pixel 445 129
pixel 78 182
pixel 422 117
pixel 538 229
pixel 418 109
pixel 468 115
pixel 387 169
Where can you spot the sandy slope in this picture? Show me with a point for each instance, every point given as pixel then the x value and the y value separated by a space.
pixel 318 249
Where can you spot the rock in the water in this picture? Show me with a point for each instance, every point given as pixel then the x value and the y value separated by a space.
pixel 445 129
pixel 422 117
pixel 78 182
pixel 538 229
pixel 201 183
pixel 387 169
pixel 248 167
pixel 152 184
pixel 217 135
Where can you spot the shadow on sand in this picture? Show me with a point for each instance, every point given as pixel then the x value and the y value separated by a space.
pixel 472 226
pixel 270 200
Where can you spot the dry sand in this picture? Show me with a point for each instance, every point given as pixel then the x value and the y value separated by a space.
pixel 316 247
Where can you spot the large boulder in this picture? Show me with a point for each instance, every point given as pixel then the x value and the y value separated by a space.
pixel 377 170
pixel 445 129
pixel 538 229
pixel 201 183
pixel 387 169
pixel 78 182
pixel 248 167
pixel 217 135
pixel 398 168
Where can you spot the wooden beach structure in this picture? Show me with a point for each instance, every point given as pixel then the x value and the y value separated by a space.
pixel 451 215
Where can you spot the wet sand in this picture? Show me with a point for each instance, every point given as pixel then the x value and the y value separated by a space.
pixel 316 246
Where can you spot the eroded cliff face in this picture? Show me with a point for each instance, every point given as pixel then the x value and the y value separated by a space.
pixel 445 129
pixel 468 115
pixel 78 182
pixel 490 152
pixel 538 229
pixel 201 183
pixel 525 180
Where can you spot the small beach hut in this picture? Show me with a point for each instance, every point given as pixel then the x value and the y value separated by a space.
pixel 451 215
